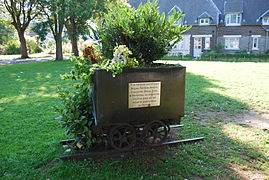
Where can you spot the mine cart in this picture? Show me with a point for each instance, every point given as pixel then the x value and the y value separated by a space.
pixel 138 105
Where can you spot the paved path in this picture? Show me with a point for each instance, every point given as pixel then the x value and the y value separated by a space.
pixel 19 61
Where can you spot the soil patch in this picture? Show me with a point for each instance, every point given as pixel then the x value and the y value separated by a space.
pixel 245 117
pixel 246 174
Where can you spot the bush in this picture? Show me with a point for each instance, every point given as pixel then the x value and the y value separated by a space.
pixel 12 47
pixel 33 46
pixel 218 48
pixel 236 57
pixel 76 112
pixel 147 33
pixel 2 49
pixel 67 48
pixel 182 57
pixel 50 46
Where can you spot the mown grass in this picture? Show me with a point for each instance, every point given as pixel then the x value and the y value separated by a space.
pixel 29 141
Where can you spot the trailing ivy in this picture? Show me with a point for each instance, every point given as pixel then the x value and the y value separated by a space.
pixel 76 112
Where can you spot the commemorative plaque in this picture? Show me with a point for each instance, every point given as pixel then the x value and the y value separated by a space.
pixel 144 94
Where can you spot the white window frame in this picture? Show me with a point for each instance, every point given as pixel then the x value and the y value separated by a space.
pixel 204 21
pixel 228 43
pixel 207 41
pixel 265 21
pixel 255 37
pixel 238 19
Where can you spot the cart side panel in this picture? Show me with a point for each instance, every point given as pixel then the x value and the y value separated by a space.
pixel 111 95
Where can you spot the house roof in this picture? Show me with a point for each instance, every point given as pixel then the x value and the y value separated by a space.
pixel 266 14
pixel 192 10
pixel 205 15
pixel 175 8
pixel 252 10
pixel 233 6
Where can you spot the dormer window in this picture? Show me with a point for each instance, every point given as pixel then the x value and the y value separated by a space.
pixel 233 19
pixel 265 21
pixel 204 21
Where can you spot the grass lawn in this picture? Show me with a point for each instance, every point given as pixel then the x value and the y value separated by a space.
pixel 29 135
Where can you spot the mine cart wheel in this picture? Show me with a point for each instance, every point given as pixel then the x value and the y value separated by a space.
pixel 122 137
pixel 155 132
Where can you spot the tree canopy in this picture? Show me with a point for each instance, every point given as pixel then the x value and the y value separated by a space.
pixel 22 12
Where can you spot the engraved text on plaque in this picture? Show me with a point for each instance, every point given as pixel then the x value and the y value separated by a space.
pixel 144 94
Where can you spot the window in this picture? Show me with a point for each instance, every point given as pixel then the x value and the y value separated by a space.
pixel 232 43
pixel 255 45
pixel 207 43
pixel 265 21
pixel 204 21
pixel 233 19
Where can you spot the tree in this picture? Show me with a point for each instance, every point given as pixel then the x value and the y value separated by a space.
pixel 52 16
pixel 78 14
pixel 22 12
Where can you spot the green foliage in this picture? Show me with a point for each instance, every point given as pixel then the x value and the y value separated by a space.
pixel 240 56
pixel 2 49
pixel 183 57
pixel 77 13
pixel 76 111
pixel 218 48
pixel 76 116
pixel 33 46
pixel 236 57
pixel 7 32
pixel 42 29
pixel 146 32
pixel 12 47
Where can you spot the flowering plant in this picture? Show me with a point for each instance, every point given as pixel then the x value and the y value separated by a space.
pixel 92 54
pixel 76 111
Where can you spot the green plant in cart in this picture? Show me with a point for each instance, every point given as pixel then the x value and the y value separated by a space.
pixel 76 111
pixel 145 31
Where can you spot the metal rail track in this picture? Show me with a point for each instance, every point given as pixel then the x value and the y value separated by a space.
pixel 115 153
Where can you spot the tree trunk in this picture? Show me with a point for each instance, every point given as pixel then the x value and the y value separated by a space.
pixel 74 42
pixel 72 28
pixel 24 53
pixel 59 48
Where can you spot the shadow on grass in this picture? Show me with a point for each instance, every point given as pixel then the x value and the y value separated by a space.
pixel 29 135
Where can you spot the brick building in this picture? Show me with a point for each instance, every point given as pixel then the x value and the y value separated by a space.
pixel 238 25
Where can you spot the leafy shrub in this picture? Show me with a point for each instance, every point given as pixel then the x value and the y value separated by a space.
pixel 182 57
pixel 187 57
pixel 2 49
pixel 12 47
pixel 236 57
pixel 147 33
pixel 33 46
pixel 218 48
pixel 76 112
pixel 67 48
pixel 7 31
pixel 244 52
